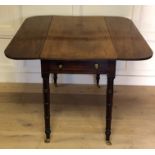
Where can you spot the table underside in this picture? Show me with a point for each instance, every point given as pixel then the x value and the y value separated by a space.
pixel 81 67
pixel 107 67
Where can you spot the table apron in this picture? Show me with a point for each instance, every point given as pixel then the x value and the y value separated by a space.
pixel 79 67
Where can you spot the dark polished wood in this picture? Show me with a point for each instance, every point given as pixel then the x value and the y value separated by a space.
pixel 97 80
pixel 109 99
pixel 29 39
pixel 127 41
pixel 55 79
pixel 78 38
pixel 78 45
pixel 46 97
pixel 78 67
pixel 109 102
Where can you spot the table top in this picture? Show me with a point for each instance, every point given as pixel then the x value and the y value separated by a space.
pixel 78 38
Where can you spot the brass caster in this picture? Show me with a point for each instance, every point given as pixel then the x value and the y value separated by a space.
pixel 108 142
pixel 47 140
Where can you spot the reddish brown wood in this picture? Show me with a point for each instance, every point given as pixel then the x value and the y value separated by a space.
pixel 29 39
pixel 129 44
pixel 76 67
pixel 104 67
pixel 80 45
pixel 78 38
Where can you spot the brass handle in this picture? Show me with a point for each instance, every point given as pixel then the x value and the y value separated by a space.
pixel 96 66
pixel 60 66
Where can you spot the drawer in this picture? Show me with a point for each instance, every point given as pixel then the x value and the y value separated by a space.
pixel 76 67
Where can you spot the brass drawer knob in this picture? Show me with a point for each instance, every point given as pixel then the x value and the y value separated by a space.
pixel 60 66
pixel 96 66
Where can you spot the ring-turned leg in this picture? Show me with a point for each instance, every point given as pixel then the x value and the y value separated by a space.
pixel 46 96
pixel 55 79
pixel 97 79
pixel 109 103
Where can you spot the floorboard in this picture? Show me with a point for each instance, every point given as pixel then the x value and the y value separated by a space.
pixel 77 116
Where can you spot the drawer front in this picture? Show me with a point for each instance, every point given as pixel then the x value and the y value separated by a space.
pixel 76 67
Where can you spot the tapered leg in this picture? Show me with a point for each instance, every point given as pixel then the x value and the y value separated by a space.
pixel 55 79
pixel 109 103
pixel 46 96
pixel 97 79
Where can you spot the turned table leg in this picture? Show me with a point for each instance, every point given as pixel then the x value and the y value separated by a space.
pixel 46 97
pixel 97 79
pixel 109 98
pixel 55 79
pixel 109 103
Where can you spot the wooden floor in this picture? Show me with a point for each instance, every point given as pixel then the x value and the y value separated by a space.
pixel 78 117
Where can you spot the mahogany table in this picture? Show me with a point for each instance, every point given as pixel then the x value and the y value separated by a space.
pixel 80 45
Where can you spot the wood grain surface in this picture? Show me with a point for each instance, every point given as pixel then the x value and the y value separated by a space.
pixel 83 38
pixel 128 42
pixel 29 40
pixel 77 116
pixel 78 38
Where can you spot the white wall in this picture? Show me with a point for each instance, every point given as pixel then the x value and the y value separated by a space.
pixel 132 73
